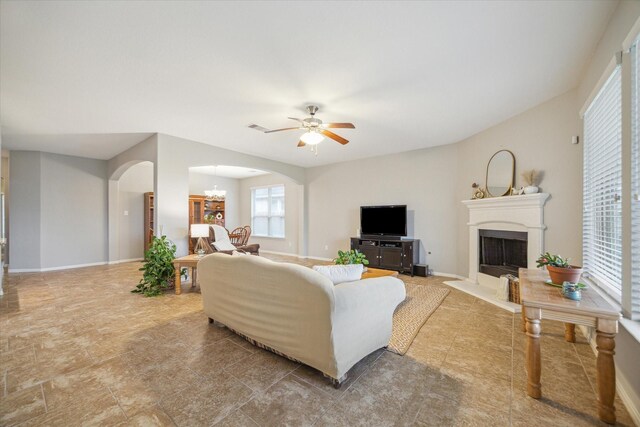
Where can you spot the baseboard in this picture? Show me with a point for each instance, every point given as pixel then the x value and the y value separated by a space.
pixel 317 258
pixel 454 276
pixel 630 399
pixel 435 273
pixel 62 267
pixel 624 390
pixel 280 253
pixel 121 261
pixel 295 255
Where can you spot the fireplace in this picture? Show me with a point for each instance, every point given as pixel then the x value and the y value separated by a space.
pixel 523 215
pixel 501 252
pixel 505 233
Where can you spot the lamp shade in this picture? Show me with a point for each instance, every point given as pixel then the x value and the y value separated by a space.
pixel 312 138
pixel 199 230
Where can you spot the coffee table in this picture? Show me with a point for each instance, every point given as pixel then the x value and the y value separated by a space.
pixel 377 272
pixel 186 261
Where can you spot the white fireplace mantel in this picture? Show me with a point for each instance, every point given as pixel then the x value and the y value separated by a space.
pixel 511 213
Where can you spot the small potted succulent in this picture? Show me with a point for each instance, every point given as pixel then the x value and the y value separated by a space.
pixel 559 268
pixel 572 290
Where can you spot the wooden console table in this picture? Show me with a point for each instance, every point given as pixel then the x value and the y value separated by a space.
pixel 539 299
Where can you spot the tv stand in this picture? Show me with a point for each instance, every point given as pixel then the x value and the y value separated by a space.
pixel 389 253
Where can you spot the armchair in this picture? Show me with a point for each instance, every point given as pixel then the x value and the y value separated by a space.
pixel 239 240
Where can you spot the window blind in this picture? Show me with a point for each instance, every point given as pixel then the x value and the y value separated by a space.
pixel 635 180
pixel 602 215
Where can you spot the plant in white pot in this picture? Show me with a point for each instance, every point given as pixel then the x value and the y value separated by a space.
pixel 532 179
pixel 559 269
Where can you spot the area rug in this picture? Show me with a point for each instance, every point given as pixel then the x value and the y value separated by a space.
pixel 412 313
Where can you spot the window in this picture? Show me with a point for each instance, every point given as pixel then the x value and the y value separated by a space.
pixel 635 181
pixel 602 215
pixel 267 211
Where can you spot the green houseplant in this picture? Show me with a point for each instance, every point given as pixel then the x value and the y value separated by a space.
pixel 353 256
pixel 559 268
pixel 157 271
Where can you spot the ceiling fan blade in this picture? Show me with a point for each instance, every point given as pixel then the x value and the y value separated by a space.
pixel 339 125
pixel 335 137
pixel 297 120
pixel 301 144
pixel 258 128
pixel 279 130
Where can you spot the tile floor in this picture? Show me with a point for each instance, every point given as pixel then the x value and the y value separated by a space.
pixel 77 348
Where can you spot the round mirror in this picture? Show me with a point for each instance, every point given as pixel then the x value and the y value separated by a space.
pixel 500 173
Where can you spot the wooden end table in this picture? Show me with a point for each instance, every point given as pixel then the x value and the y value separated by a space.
pixel 377 272
pixel 538 299
pixel 186 261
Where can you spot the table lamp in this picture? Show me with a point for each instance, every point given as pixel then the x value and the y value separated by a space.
pixel 199 231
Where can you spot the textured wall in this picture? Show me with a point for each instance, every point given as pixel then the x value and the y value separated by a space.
pixel 132 185
pixel 424 180
pixel 74 211
pixel 25 210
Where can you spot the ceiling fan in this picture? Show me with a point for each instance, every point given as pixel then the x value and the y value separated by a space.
pixel 315 129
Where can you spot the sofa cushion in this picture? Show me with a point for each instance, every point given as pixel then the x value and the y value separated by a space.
pixel 224 245
pixel 340 273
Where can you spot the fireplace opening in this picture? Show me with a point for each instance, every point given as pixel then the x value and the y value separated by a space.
pixel 502 252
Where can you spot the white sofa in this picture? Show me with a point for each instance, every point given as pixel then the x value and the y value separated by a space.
pixel 298 312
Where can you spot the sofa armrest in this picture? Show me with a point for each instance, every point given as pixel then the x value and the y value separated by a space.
pixel 363 317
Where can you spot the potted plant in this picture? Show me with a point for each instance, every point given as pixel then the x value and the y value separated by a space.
pixel 353 256
pixel 158 271
pixel 532 179
pixel 559 268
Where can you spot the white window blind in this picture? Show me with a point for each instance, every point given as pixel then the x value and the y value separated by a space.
pixel 635 181
pixel 602 216
pixel 268 211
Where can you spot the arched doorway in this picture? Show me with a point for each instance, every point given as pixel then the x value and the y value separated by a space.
pixel 127 187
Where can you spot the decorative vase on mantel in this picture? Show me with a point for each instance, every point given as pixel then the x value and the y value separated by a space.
pixel 531 189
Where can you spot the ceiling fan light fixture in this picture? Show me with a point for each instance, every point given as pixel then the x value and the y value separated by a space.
pixel 311 138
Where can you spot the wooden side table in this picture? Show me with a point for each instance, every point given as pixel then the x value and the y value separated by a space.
pixel 540 299
pixel 186 261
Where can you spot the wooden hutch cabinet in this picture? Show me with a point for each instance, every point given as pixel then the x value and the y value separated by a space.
pixel 148 220
pixel 201 210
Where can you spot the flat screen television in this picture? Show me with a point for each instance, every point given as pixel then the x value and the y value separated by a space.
pixel 383 220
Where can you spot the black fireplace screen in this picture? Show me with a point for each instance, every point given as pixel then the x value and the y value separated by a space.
pixel 502 252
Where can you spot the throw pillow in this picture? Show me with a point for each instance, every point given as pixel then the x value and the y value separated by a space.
pixel 340 273
pixel 224 245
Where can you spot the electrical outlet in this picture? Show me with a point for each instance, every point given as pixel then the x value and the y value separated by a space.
pixel 289 244
pixel 326 247
pixel 126 213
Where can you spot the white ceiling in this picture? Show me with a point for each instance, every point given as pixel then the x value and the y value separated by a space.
pixel 407 74
pixel 228 171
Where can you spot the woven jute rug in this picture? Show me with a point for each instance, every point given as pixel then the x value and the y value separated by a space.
pixel 412 313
